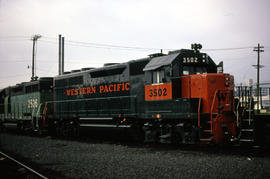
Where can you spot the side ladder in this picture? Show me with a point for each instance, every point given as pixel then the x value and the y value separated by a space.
pixel 245 113
pixel 206 125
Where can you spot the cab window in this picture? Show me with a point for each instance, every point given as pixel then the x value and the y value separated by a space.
pixel 158 76
pixel 190 70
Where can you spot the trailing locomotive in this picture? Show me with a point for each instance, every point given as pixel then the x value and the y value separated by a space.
pixel 23 105
pixel 175 98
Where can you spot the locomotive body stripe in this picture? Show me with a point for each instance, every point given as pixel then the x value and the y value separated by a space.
pixel 96 118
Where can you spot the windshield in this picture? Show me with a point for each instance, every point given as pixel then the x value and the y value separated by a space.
pixel 190 70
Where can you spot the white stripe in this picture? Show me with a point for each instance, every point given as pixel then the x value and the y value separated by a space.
pixel 96 118
pixel 104 125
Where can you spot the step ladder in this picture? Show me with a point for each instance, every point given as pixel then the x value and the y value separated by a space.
pixel 247 125
pixel 246 117
pixel 206 131
pixel 206 125
pixel 247 130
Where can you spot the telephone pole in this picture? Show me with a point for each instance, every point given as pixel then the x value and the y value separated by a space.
pixel 34 38
pixel 258 49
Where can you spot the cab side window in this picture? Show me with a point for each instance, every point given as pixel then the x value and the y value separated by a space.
pixel 158 76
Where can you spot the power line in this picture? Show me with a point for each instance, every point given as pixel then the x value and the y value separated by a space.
pixel 49 41
pixel 13 76
pixel 226 49
pixel 104 46
pixel 53 40
pixel 112 46
pixel 81 43
pixel 47 61
pixel 14 38
pixel 16 61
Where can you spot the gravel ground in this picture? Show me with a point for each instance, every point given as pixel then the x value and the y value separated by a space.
pixel 75 159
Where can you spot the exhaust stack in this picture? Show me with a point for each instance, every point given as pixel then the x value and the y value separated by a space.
pixel 61 55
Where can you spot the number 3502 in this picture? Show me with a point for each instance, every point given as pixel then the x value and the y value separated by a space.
pixel 158 92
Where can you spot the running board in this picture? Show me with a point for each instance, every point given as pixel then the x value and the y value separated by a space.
pixel 9 125
pixel 95 118
pixel 105 125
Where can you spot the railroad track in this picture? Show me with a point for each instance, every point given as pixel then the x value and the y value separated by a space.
pixel 14 170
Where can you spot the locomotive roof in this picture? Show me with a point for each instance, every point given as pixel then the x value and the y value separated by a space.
pixel 158 62
pixel 164 60
pixel 99 69
pixel 81 72
pixel 28 83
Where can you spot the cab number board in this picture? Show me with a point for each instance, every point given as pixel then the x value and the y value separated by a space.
pixel 158 92
pixel 190 60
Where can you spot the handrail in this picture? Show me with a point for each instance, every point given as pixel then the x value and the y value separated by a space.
pixel 237 112
pixel 213 102
pixel 37 114
pixel 199 113
pixel 44 112
pixel 199 105
pixel 212 107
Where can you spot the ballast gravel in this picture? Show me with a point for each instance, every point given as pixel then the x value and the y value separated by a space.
pixel 75 159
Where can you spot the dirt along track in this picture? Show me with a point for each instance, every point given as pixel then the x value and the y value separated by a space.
pixel 105 158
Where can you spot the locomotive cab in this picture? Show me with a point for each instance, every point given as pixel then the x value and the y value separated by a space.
pixel 169 69
pixel 191 101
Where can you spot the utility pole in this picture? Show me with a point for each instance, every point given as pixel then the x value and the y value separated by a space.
pixel 258 49
pixel 34 38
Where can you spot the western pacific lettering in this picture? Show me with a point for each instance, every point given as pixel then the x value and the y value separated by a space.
pixel 100 89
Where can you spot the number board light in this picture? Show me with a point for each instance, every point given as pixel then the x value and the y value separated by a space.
pixel 195 59
pixel 190 60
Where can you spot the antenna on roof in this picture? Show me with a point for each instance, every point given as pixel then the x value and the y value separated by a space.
pixel 196 47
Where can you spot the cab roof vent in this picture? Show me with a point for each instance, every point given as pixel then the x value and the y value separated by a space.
pixel 181 51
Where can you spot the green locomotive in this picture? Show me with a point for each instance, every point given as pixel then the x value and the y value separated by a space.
pixel 22 105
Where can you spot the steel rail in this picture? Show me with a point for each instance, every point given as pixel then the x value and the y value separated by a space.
pixel 28 168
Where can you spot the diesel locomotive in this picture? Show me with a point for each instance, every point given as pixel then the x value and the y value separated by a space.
pixel 179 97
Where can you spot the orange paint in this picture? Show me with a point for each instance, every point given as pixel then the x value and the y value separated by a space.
pixel 204 86
pixel 158 92
pixel 216 94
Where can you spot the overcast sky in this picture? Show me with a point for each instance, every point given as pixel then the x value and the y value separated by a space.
pixel 154 24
